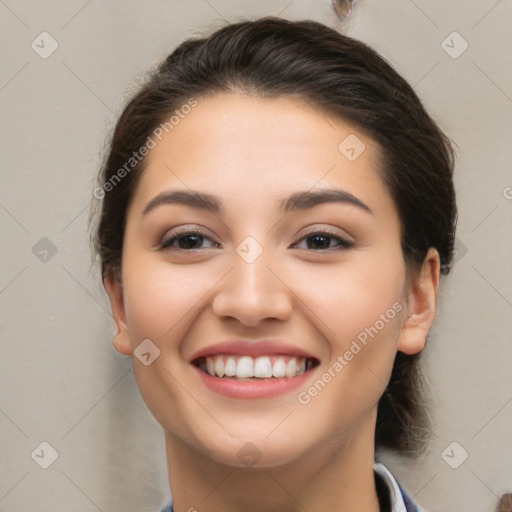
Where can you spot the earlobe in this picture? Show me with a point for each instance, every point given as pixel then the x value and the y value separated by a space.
pixel 122 343
pixel 114 287
pixel 421 305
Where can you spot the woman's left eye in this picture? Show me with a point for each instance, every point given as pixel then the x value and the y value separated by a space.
pixel 189 241
pixel 323 241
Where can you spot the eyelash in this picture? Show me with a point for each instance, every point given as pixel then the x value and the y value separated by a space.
pixel 342 244
pixel 167 244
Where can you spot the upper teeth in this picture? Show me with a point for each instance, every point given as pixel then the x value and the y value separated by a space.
pixel 263 367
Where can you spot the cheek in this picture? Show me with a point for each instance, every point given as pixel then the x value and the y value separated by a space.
pixel 159 297
pixel 160 303
pixel 352 297
pixel 363 307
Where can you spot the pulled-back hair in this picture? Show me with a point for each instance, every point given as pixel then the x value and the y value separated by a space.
pixel 341 77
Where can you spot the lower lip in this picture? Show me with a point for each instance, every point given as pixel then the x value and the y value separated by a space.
pixel 254 388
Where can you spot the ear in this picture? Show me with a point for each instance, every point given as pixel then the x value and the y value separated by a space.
pixel 421 305
pixel 114 287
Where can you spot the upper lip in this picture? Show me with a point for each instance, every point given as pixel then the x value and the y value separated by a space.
pixel 253 349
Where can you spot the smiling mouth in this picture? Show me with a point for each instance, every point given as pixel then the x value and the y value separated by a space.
pixel 236 367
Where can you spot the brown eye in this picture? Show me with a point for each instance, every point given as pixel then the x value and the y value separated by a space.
pixel 323 241
pixel 319 241
pixel 189 241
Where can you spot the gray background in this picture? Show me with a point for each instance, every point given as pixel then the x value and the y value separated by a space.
pixel 62 383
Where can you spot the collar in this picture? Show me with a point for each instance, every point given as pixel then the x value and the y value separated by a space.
pixel 400 499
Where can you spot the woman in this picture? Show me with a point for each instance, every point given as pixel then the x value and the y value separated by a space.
pixel 277 208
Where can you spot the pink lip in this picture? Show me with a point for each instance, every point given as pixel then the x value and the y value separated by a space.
pixel 253 349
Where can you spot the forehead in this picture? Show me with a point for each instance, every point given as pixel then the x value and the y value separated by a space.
pixel 231 143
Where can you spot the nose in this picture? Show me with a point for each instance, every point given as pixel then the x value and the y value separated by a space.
pixel 252 293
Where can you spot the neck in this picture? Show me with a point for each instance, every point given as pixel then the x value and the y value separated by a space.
pixel 333 479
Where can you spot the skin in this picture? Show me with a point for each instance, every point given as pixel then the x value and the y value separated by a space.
pixel 253 152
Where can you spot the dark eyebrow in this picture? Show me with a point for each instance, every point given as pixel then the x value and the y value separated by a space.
pixel 296 201
pixel 187 197
pixel 304 200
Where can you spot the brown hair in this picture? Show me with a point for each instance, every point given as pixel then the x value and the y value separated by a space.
pixel 272 57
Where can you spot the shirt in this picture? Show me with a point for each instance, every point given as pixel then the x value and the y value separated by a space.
pixel 400 499
pixel 397 497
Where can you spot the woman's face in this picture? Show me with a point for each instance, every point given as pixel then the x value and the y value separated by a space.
pixel 261 238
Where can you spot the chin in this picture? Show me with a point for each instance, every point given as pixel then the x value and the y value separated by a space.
pixel 250 455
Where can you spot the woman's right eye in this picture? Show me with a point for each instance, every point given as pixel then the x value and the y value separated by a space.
pixel 190 240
